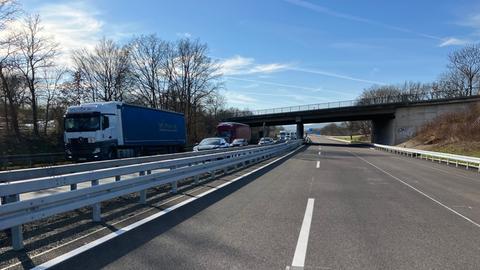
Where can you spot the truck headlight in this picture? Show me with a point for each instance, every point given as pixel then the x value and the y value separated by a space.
pixel 91 140
pixel 96 150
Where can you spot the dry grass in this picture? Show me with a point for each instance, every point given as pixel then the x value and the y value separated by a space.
pixel 457 133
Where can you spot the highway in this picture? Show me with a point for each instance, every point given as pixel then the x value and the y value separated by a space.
pixel 329 206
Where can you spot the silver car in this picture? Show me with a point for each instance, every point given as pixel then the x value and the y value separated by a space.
pixel 211 143
pixel 266 141
pixel 239 142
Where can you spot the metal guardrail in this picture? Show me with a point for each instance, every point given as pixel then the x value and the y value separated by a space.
pixel 17 212
pixel 393 99
pixel 458 160
pixel 22 174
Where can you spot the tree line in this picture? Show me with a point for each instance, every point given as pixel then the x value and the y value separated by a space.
pixel 35 88
pixel 461 79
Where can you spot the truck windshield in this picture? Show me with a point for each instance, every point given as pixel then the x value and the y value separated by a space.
pixel 77 123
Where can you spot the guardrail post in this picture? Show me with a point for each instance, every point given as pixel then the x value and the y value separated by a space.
pixel 16 231
pixel 96 209
pixel 118 178
pixel 174 187
pixel 73 187
pixel 197 179
pixel 143 193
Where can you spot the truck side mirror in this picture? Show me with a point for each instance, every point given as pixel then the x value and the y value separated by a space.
pixel 105 122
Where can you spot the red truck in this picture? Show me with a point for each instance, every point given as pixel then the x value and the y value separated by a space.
pixel 231 131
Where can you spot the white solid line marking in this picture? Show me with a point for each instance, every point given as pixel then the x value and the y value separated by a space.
pixel 121 231
pixel 419 191
pixel 301 249
pixel 318 164
pixel 319 153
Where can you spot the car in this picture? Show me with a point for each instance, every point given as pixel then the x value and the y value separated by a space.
pixel 239 142
pixel 211 144
pixel 266 141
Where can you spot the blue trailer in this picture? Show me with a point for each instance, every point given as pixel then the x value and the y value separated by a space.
pixel 106 130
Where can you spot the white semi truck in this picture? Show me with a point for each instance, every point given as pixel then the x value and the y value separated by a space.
pixel 105 130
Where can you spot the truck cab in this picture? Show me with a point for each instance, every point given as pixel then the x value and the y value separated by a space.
pixel 91 131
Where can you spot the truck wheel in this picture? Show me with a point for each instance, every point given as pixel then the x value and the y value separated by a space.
pixel 112 154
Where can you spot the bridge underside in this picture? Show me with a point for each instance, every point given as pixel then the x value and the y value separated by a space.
pixel 375 113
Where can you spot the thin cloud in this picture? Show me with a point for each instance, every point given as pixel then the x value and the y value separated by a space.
pixel 295 96
pixel 73 25
pixel 238 98
pixel 325 10
pixel 184 35
pixel 335 75
pixel 319 89
pixel 239 65
pixel 453 42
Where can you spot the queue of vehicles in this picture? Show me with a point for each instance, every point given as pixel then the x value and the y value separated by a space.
pixel 107 130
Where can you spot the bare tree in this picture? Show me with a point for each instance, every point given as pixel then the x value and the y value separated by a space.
pixel 36 52
pixel 105 70
pixel 8 12
pixel 466 62
pixel 52 83
pixel 10 83
pixel 450 85
pixel 12 86
pixel 148 60
pixel 193 76
pixel 73 91
pixel 380 94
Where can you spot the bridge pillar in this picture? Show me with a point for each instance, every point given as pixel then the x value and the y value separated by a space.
pixel 300 130
pixel 383 131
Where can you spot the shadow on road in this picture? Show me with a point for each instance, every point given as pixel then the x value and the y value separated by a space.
pixel 364 145
pixel 124 244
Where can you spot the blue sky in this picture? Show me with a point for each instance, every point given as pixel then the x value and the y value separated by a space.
pixel 278 53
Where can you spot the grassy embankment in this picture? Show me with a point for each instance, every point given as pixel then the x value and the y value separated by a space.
pixel 354 138
pixel 455 133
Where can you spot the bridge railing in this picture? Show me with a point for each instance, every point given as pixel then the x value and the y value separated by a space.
pixel 146 175
pixel 390 99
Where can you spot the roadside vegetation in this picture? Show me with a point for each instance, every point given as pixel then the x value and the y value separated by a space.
pixel 456 133
pixel 37 84
pixel 354 138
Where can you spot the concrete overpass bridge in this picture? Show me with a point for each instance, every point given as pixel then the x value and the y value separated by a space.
pixel 395 119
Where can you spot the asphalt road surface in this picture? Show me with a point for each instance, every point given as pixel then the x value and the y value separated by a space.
pixel 330 206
